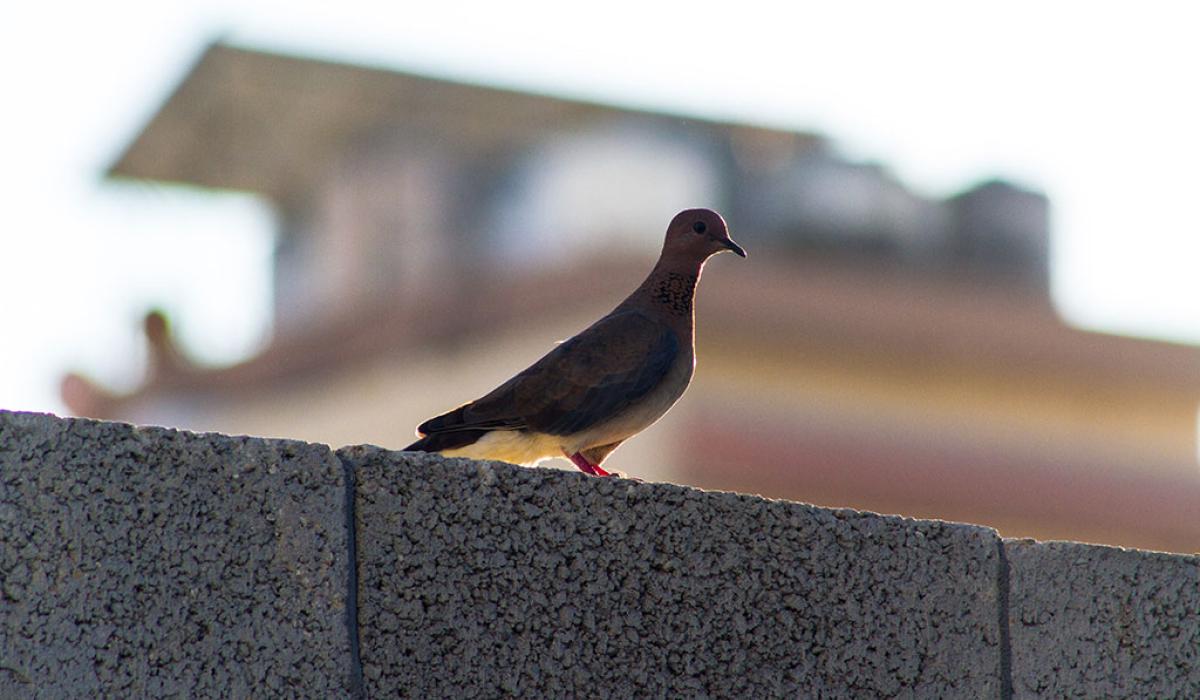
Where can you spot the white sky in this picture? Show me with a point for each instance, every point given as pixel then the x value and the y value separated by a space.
pixel 1093 103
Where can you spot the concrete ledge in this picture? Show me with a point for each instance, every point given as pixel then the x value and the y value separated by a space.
pixel 487 580
pixel 1103 622
pixel 143 562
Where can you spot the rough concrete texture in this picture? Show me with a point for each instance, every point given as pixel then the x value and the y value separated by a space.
pixel 143 562
pixel 489 580
pixel 1102 622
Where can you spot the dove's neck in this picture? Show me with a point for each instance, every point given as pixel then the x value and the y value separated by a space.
pixel 669 290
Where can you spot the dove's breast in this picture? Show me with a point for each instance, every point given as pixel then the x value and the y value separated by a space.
pixel 642 413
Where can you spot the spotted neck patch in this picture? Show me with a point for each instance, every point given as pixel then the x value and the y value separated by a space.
pixel 675 291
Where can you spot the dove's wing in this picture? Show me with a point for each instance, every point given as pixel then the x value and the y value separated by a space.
pixel 580 383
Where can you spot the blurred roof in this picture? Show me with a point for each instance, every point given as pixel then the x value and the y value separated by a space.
pixel 258 122
pixel 266 123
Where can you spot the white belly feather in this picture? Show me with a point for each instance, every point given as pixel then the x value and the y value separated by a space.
pixel 513 446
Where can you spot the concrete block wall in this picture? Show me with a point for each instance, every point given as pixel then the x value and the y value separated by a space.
pixel 145 562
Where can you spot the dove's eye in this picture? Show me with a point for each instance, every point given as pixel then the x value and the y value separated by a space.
pixel 699 227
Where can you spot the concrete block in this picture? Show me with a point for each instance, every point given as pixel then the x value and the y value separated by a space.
pixel 144 562
pixel 490 580
pixel 1103 622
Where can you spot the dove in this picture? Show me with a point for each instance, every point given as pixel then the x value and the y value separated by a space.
pixel 608 383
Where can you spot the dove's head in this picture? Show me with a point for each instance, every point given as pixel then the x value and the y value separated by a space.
pixel 696 234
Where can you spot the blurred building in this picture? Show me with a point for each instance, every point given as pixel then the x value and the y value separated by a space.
pixel 878 350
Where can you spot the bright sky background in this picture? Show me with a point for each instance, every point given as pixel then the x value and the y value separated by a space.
pixel 1095 103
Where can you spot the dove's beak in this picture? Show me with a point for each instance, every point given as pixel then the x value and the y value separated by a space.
pixel 728 243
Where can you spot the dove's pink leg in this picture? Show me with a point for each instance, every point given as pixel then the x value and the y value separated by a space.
pixel 585 466
pixel 601 472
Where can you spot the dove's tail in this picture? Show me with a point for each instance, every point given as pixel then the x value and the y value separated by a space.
pixel 450 440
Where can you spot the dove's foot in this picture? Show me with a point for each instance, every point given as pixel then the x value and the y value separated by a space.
pixel 594 469
pixel 585 466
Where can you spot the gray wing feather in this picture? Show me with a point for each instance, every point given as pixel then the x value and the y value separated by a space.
pixel 580 383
